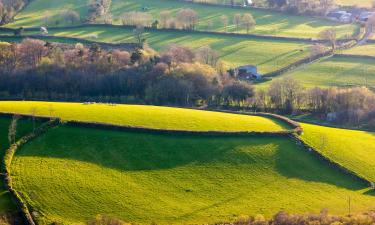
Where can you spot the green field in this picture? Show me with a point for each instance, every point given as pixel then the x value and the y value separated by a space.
pixel 361 3
pixel 366 50
pixel 268 55
pixel 145 116
pixel 336 71
pixel 354 150
pixel 268 22
pixel 71 174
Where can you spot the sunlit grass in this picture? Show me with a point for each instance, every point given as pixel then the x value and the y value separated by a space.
pixel 335 71
pixel 145 116
pixel 354 150
pixel 268 22
pixel 71 174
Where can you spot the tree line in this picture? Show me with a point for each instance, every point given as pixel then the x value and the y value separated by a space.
pixel 281 218
pixel 177 75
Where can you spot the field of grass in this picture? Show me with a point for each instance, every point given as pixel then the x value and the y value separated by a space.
pixel 171 179
pixel 336 71
pixel 361 3
pixel 268 55
pixel 366 50
pixel 145 116
pixel 268 23
pixel 24 126
pixel 354 150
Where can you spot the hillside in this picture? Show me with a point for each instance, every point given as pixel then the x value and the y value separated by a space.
pixel 171 179
pixel 145 116
pixel 268 22
pixel 341 71
pixel 354 150
pixel 268 55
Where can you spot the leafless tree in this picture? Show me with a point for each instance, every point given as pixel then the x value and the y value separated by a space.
pixel 248 22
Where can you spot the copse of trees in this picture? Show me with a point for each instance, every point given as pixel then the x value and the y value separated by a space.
pixel 99 9
pixel 312 7
pixel 177 75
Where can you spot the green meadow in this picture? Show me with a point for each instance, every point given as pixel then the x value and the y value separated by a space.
pixel 71 174
pixel 268 22
pixel 355 150
pixel 365 50
pixel 268 55
pixel 361 3
pixel 155 117
pixel 336 71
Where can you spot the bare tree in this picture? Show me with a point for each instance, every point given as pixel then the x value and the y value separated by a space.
pixel 207 55
pixel 330 36
pixel 248 22
pixel 12 132
pixel 31 52
pixel 70 16
pixel 138 35
pixel 224 20
pixel 237 20
pixel 165 17
pixel 188 18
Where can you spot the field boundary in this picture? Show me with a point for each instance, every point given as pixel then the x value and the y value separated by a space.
pixel 8 158
pixel 127 46
pixel 354 56
pixel 150 29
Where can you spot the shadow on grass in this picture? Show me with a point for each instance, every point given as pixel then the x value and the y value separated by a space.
pixel 136 151
pixel 370 192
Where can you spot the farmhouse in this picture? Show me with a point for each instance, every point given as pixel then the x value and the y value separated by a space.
pixel 340 16
pixel 247 72
pixel 365 16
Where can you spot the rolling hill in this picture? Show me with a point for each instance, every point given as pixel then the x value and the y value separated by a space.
pixel 71 174
pixel 268 22
pixel 341 71
pixel 154 117
pixel 352 149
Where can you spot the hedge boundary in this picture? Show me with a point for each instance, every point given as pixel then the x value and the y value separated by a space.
pixel 8 158
pixel 127 46
pixel 150 29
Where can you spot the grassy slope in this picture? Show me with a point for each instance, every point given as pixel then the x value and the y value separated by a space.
pixel 24 126
pixel 175 179
pixel 336 71
pixel 353 149
pixel 362 3
pixel 268 23
pixel 366 50
pixel 145 116
pixel 268 55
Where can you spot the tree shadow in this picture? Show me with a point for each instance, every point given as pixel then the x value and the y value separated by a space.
pixel 370 192
pixel 137 151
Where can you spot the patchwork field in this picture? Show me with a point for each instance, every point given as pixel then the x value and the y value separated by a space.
pixel 336 71
pixel 166 179
pixel 268 22
pixel 145 116
pixel 268 55
pixel 354 150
